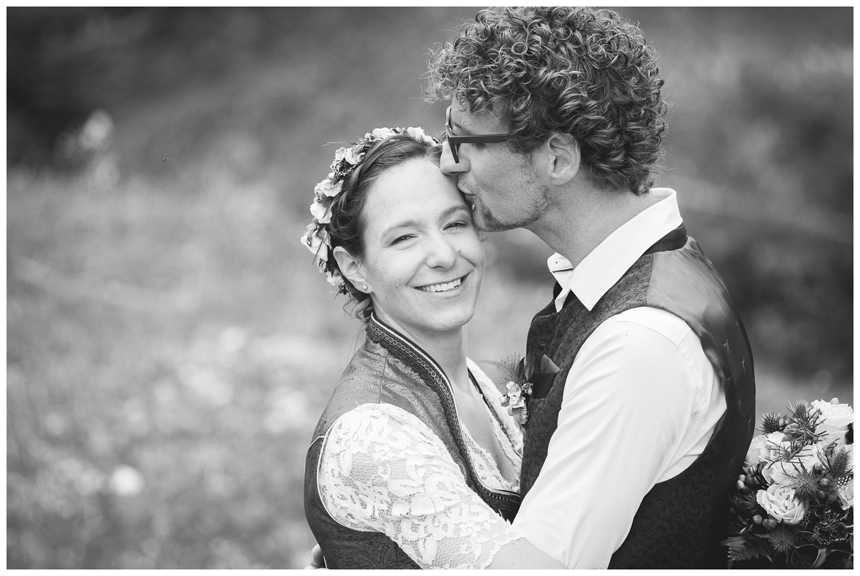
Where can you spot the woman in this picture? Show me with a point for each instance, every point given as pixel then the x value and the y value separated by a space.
pixel 414 439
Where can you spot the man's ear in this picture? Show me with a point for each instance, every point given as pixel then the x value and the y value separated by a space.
pixel 350 267
pixel 562 158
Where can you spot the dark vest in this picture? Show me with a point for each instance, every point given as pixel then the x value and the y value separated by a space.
pixel 680 521
pixel 390 369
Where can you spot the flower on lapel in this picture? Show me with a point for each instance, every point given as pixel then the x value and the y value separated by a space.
pixel 521 377
pixel 514 398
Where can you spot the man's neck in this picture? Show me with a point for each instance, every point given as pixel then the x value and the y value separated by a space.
pixel 582 216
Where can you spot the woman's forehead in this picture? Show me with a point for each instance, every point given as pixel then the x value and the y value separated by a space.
pixel 415 190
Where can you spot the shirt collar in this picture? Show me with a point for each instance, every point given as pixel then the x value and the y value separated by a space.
pixel 607 263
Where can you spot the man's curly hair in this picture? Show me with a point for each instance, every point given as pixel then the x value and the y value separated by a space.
pixel 579 71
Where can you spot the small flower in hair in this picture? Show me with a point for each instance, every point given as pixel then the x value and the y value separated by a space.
pixel 328 188
pixel 315 242
pixel 335 280
pixel 383 133
pixel 321 212
pixel 349 155
pixel 417 133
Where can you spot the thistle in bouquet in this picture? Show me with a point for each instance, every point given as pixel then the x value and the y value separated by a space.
pixel 793 505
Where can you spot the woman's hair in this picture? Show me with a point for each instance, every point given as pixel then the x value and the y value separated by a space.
pixel 370 157
pixel 577 71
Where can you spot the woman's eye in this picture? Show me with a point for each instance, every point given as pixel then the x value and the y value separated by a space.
pixel 401 239
pixel 457 224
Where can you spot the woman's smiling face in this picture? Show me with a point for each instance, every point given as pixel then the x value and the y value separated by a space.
pixel 423 261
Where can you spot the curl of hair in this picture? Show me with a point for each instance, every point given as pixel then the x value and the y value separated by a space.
pixel 348 220
pixel 577 71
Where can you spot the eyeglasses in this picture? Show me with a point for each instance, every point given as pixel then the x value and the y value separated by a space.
pixel 455 141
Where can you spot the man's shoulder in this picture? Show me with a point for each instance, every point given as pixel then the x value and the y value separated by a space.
pixel 647 319
pixel 643 344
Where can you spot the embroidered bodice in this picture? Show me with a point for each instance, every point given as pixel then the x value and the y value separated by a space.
pixel 382 469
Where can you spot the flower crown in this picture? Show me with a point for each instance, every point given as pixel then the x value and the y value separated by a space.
pixel 317 237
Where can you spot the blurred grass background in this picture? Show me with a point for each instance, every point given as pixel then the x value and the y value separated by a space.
pixel 170 346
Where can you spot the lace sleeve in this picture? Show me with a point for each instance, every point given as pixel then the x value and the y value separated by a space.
pixel 382 469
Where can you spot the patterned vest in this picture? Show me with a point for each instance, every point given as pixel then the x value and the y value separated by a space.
pixel 680 521
pixel 389 369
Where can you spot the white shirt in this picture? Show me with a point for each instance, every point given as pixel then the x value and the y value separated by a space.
pixel 640 403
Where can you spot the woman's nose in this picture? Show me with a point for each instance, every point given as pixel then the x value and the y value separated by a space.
pixel 441 253
pixel 447 164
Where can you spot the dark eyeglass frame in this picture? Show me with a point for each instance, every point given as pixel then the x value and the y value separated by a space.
pixel 455 141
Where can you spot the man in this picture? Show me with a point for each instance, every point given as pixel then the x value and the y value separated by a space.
pixel 554 125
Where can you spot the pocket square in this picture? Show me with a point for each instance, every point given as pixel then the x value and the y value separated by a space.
pixel 541 374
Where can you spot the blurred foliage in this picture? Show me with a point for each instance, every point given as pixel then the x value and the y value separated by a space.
pixel 169 346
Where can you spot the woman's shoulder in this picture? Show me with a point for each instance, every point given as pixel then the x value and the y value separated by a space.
pixel 381 412
pixel 380 424
pixel 375 377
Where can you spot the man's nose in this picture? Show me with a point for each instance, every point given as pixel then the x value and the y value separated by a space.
pixel 447 164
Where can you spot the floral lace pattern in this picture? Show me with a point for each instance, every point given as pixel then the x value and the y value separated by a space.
pixel 382 469
pixel 486 469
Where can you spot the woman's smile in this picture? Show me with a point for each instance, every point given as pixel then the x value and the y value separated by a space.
pixel 443 286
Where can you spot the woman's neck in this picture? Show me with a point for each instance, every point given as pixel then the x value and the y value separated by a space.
pixel 447 348
pixel 450 354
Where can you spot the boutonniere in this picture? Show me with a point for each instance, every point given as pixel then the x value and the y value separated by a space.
pixel 525 379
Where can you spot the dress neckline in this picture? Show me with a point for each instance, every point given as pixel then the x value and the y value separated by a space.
pixel 434 376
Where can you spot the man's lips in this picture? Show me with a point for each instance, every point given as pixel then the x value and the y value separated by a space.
pixel 470 199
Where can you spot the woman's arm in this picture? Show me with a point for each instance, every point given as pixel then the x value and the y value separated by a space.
pixel 383 469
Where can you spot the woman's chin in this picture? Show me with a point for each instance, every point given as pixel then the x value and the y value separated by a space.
pixel 456 319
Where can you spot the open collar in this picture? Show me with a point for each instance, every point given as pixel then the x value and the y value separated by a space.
pixel 607 263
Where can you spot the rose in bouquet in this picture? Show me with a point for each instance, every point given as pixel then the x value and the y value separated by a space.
pixel 793 505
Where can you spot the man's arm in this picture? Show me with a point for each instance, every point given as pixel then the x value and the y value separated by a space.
pixel 630 400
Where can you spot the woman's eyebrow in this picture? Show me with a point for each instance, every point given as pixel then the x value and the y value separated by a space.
pixel 415 223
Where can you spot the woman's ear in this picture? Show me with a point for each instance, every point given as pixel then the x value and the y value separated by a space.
pixel 350 267
pixel 563 155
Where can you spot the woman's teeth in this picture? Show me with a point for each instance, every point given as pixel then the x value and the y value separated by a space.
pixel 442 287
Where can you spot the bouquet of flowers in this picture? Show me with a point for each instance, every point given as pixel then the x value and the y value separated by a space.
pixel 793 505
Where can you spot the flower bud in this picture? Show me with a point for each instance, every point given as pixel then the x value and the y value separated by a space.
pixel 824 482
pixel 769 523
pixel 757 519
pixel 740 485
